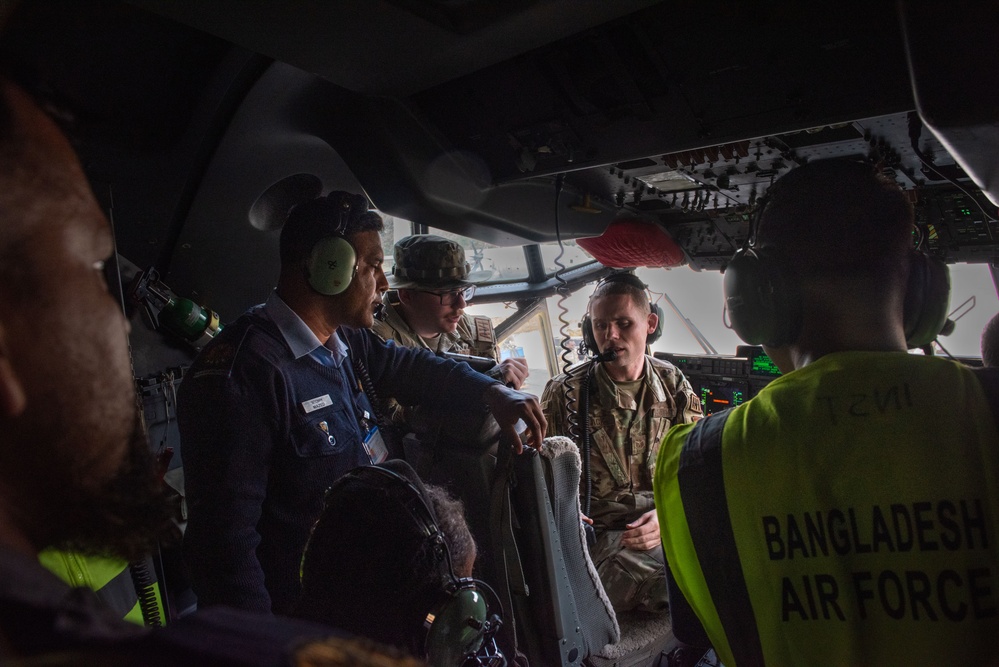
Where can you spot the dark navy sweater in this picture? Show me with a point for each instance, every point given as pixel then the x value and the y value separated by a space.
pixel 257 460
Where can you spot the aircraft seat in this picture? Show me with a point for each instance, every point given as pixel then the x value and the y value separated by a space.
pixel 572 613
pixel 641 637
pixel 644 637
pixel 533 551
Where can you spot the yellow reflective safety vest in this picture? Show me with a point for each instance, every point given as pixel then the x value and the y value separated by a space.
pixel 846 515
pixel 111 579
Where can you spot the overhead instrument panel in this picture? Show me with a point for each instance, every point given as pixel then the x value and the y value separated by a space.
pixel 705 198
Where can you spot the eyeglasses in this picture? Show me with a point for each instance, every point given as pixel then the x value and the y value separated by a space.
pixel 450 297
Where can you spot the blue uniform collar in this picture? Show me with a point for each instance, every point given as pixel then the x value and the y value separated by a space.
pixel 299 337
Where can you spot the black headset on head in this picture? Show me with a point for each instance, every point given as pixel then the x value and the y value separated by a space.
pixel 762 300
pixel 764 303
pixel 589 341
pixel 332 263
pixel 459 627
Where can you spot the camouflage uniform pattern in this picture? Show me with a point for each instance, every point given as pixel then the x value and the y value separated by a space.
pixel 632 579
pixel 428 261
pixel 468 338
pixel 431 262
pixel 622 485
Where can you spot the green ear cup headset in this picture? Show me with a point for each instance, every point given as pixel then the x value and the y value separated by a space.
pixel 333 260
pixel 762 300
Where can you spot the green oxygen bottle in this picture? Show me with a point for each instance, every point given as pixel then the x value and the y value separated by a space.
pixel 195 324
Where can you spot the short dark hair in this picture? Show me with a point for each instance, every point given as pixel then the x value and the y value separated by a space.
pixel 990 342
pixel 318 218
pixel 839 218
pixel 615 287
pixel 451 519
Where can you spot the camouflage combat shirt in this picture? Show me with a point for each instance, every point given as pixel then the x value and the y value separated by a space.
pixel 619 418
pixel 474 336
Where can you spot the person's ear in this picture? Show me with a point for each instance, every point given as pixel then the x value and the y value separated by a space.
pixel 13 400
pixel 653 323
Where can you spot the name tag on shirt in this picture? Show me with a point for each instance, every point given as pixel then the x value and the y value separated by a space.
pixel 317 403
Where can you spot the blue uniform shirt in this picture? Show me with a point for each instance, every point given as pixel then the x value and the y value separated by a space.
pixel 299 337
pixel 268 422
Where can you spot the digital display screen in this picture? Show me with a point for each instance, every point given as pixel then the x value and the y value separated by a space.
pixel 718 396
pixel 761 364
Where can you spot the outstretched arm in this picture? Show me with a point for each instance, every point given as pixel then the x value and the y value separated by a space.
pixel 409 372
pixel 509 406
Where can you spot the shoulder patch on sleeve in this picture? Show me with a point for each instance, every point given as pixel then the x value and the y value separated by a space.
pixel 484 329
pixel 219 356
pixel 217 359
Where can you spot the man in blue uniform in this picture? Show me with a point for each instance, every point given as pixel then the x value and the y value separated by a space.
pixel 280 405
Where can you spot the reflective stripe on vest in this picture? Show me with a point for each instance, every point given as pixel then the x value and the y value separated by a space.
pixel 119 594
pixel 702 490
pixel 109 578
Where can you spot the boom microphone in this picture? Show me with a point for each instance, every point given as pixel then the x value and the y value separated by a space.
pixel 609 355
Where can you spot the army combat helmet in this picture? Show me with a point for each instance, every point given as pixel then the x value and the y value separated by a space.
pixel 428 261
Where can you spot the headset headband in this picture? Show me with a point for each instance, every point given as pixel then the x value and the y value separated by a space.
pixel 416 502
pixel 346 202
pixel 626 277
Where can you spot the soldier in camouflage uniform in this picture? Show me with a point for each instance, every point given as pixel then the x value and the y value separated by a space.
pixel 633 400
pixel 431 287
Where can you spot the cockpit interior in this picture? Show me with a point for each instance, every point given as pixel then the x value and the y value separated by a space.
pixel 636 130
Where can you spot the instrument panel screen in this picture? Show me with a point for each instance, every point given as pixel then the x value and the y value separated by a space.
pixel 720 395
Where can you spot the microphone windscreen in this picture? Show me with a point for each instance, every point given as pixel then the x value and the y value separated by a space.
pixel 609 355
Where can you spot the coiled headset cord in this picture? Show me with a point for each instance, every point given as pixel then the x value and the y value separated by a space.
pixel 145 589
pixel 579 433
pixel 389 433
pixel 586 389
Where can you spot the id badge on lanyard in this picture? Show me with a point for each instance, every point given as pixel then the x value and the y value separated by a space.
pixel 374 444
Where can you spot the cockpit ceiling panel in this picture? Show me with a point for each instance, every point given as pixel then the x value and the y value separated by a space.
pixel 676 76
pixel 392 47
